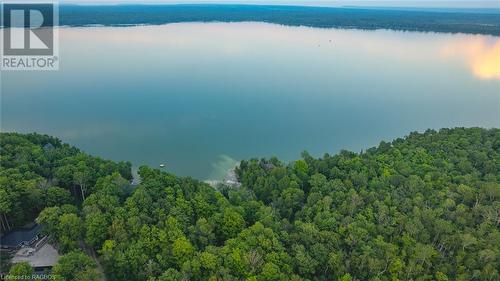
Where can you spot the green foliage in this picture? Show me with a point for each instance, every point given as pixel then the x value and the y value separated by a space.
pixel 38 171
pixel 57 196
pixel 63 225
pixel 21 270
pixel 423 207
pixel 231 224
pixel 76 266
pixel 69 231
pixel 96 226
pixel 182 250
pixel 417 208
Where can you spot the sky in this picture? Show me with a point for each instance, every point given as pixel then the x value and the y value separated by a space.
pixel 328 3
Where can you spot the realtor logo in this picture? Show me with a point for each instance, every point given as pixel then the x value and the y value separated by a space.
pixel 29 36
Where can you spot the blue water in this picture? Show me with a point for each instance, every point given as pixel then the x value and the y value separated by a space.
pixel 201 96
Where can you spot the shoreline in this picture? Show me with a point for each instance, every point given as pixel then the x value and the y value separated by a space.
pixel 363 18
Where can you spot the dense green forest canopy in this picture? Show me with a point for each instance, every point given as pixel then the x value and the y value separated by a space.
pixel 423 207
pixel 38 171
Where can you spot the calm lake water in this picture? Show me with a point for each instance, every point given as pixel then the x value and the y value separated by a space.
pixel 201 96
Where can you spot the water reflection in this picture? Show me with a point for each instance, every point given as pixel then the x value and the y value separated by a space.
pixel 201 96
pixel 482 54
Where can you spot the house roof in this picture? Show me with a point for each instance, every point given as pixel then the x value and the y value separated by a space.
pixel 46 256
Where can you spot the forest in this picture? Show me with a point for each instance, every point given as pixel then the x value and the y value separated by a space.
pixel 472 21
pixel 422 207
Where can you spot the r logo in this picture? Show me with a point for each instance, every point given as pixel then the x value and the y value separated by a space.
pixel 28 29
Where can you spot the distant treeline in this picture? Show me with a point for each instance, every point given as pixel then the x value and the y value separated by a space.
pixel 452 21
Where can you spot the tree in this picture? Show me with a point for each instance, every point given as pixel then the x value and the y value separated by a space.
pixel 232 223
pixel 5 207
pixel 38 171
pixel 69 231
pixel 270 272
pixel 422 207
pixel 75 265
pixel 89 274
pixel 170 275
pixel 49 218
pixel 182 250
pixel 82 177
pixel 57 196
pixel 96 226
pixel 291 202
pixel 21 270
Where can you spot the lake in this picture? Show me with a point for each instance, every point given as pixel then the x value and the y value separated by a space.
pixel 201 96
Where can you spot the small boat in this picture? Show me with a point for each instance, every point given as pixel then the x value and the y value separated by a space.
pixel 162 165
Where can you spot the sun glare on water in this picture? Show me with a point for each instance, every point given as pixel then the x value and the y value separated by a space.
pixel 481 54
